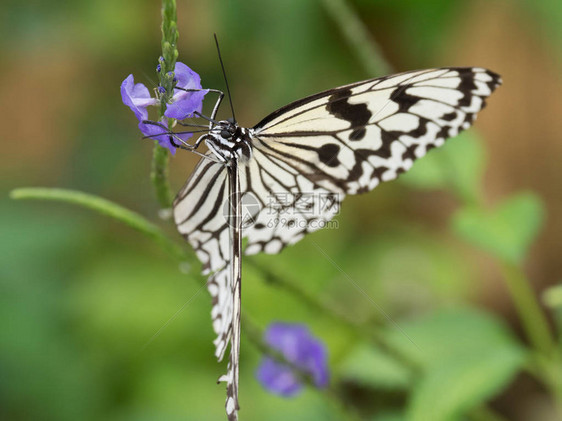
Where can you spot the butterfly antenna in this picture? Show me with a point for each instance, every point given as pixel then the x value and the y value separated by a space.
pixel 225 79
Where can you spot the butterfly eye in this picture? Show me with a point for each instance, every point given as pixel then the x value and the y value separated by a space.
pixel 226 134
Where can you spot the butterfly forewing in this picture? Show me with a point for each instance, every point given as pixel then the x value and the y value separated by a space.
pixel 351 138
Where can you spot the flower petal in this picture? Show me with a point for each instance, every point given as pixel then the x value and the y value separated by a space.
pixel 316 363
pixel 136 97
pixel 162 136
pixel 278 378
pixel 299 347
pixel 185 104
pixel 186 77
pixel 287 339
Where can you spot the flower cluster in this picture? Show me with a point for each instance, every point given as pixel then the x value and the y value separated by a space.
pixel 300 348
pixel 185 101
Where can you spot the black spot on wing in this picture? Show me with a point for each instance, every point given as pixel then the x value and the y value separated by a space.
pixel 404 100
pixel 379 171
pixel 410 152
pixel 328 154
pixel 358 133
pixel 421 130
pixel 429 147
pixel 388 138
pixel 467 86
pixel 338 105
pixel 357 170
pixel 449 116
pixel 495 82
pixel 443 133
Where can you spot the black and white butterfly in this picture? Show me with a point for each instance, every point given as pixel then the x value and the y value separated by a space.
pixel 342 141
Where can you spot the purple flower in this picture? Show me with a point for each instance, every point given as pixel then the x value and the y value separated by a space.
pixel 182 105
pixel 298 346
pixel 137 97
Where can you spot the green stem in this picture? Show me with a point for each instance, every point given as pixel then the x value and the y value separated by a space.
pixel 357 35
pixel 105 207
pixel 547 359
pixel 160 157
pixel 169 42
pixel 528 308
pixel 159 176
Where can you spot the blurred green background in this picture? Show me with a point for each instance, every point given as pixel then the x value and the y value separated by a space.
pixel 81 295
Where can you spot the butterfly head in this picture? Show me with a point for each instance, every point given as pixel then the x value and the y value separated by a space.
pixel 228 141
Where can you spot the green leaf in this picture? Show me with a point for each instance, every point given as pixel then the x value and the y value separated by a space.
pixel 462 382
pixel 466 357
pixel 431 339
pixel 506 231
pixel 369 366
pixel 457 166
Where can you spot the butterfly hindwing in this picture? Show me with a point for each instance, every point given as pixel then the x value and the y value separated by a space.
pixel 279 206
pixel 290 204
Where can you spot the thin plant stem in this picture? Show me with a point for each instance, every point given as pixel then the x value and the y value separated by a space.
pixel 547 361
pixel 105 207
pixel 160 155
pixel 159 176
pixel 528 308
pixel 358 37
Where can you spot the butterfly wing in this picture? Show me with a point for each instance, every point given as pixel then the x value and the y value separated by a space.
pixel 349 139
pixel 290 205
pixel 275 211
pixel 201 215
pixel 279 206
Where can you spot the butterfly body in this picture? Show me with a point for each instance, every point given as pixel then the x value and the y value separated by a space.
pixel 228 141
pixel 342 141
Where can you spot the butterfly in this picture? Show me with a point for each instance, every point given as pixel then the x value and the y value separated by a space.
pixel 345 140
